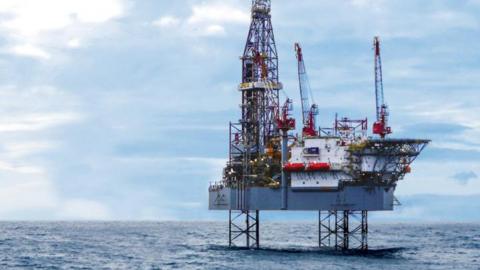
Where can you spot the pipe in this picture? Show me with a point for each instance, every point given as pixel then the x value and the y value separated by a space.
pixel 284 183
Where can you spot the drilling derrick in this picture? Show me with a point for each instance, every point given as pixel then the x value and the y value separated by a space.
pixel 255 142
pixel 309 113
pixel 260 85
pixel 380 127
pixel 340 173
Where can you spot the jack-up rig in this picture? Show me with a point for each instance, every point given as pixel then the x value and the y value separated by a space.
pixel 339 172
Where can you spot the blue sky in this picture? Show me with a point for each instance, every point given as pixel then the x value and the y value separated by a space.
pixel 118 109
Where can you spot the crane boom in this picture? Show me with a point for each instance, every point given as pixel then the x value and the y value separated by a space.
pixel 309 112
pixel 380 127
pixel 303 83
pixel 378 78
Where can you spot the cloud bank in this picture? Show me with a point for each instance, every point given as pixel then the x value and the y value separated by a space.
pixel 118 109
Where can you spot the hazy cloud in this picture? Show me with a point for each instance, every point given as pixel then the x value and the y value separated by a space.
pixel 464 177
pixel 122 107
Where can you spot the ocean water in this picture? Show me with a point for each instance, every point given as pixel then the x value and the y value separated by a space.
pixel 203 245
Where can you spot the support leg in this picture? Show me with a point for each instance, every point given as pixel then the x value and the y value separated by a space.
pixel 336 231
pixel 327 229
pixel 319 229
pixel 244 229
pixel 257 228
pixel 247 230
pixel 230 228
pixel 365 230
pixel 346 231
pixel 343 230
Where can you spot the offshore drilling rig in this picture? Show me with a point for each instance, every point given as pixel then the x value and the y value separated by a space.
pixel 340 172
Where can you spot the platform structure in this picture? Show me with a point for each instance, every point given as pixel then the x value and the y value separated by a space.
pixel 340 173
pixel 368 184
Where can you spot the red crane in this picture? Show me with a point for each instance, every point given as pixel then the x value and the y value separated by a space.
pixel 309 112
pixel 380 127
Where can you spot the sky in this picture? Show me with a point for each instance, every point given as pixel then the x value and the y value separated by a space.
pixel 119 109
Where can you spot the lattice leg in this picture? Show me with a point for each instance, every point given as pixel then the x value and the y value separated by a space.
pixel 244 229
pixel 343 230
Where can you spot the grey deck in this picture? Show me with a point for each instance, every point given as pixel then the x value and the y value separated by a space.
pixel 353 198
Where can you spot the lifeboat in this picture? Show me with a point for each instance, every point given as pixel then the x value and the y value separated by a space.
pixel 294 167
pixel 318 166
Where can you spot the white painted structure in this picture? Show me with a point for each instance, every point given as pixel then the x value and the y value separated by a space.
pixel 330 150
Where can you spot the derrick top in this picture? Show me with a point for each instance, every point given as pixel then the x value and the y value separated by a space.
pixel 260 7
pixel 376 45
pixel 260 58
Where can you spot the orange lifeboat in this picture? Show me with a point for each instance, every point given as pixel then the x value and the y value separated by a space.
pixel 294 167
pixel 318 166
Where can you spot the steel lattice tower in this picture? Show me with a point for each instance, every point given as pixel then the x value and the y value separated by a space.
pixel 260 85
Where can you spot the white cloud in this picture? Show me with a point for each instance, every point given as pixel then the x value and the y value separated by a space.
pixel 30 51
pixel 370 4
pixel 436 109
pixel 95 11
pixel 34 26
pixel 35 122
pixel 212 13
pixel 206 19
pixel 461 146
pixel 21 169
pixel 36 108
pixel 18 149
pixel 74 43
pixel 214 30
pixel 167 21
pixel 31 18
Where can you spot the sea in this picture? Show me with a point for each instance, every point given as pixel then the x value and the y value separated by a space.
pixel 204 245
